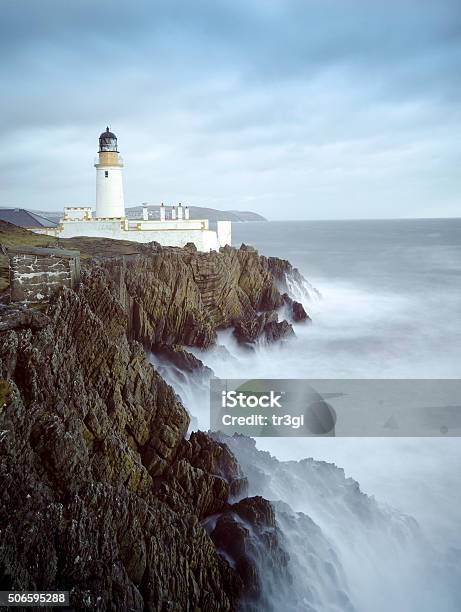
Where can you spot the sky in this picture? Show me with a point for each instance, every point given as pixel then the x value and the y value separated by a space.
pixel 295 109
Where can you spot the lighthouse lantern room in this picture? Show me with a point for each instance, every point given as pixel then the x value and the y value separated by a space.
pixel 109 184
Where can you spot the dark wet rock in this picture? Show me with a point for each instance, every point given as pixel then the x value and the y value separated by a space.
pixel 247 331
pixel 299 314
pixel 287 300
pixel 20 317
pixel 282 270
pixel 86 427
pixel 296 309
pixel 205 474
pixel 182 359
pixel 247 534
pixel 276 331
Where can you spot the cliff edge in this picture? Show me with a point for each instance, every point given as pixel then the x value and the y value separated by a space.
pixel 101 492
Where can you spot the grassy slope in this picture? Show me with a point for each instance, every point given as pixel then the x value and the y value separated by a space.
pixel 13 236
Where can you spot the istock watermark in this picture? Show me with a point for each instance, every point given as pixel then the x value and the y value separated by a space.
pixel 336 407
pixel 232 399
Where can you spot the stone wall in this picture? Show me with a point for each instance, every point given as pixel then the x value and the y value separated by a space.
pixel 36 273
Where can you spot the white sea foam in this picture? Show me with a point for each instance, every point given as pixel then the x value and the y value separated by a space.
pixel 390 308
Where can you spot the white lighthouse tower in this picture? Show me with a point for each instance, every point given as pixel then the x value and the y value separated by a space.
pixel 109 184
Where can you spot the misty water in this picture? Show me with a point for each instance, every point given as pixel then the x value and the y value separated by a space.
pixel 390 307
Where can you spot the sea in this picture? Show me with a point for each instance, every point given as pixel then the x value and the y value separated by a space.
pixel 385 303
pixel 390 307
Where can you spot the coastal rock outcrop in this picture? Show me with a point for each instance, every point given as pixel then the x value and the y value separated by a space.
pixel 247 533
pixel 182 359
pixel 101 494
pixel 299 314
pixel 266 325
pixel 182 297
pixel 204 475
pixel 296 309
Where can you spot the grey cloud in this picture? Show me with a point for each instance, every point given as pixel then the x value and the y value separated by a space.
pixel 220 100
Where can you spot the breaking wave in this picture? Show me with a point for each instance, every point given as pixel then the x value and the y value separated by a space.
pixel 348 552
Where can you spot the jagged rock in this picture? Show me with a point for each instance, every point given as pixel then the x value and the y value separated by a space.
pixel 190 246
pixel 20 317
pixel 87 427
pixel 248 330
pixel 282 270
pixel 276 331
pixel 175 296
pixel 182 359
pixel 247 533
pixel 100 492
pixel 287 300
pixel 205 474
pixel 298 313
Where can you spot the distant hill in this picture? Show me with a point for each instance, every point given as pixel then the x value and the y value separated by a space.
pixel 196 212
pixel 246 215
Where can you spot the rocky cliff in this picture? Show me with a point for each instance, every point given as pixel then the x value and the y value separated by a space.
pixel 101 493
pixel 182 297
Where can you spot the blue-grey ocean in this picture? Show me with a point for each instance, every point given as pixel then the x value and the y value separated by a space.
pixel 391 293
pixel 390 308
pixel 386 304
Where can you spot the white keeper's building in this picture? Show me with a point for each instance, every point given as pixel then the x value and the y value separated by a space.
pixel 173 228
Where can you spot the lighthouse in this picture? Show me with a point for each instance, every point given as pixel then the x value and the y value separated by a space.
pixel 109 185
pixel 110 220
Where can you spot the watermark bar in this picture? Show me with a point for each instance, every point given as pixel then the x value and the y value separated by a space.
pixel 26 599
pixel 336 407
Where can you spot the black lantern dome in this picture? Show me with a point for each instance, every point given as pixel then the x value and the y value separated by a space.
pixel 108 141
